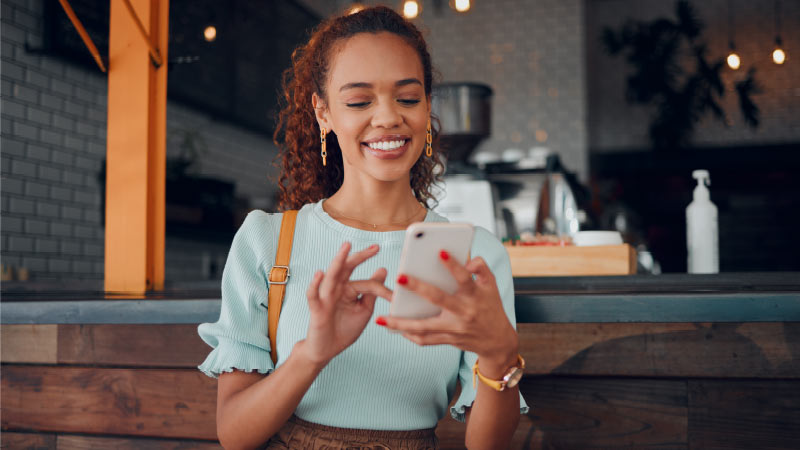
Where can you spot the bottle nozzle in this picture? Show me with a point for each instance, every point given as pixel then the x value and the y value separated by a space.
pixel 702 177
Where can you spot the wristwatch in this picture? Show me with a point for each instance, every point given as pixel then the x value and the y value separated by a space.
pixel 509 380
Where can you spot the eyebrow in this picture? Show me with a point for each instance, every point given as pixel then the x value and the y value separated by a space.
pixel 400 83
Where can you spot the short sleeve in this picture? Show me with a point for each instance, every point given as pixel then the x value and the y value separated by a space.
pixel 487 246
pixel 239 338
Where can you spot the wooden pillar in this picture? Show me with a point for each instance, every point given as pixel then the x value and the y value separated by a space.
pixel 136 148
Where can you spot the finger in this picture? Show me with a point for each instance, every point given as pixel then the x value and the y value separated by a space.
pixel 357 258
pixel 432 338
pixel 434 324
pixel 432 293
pixel 354 260
pixel 481 270
pixel 329 283
pixel 372 287
pixel 460 273
pixel 313 288
pixel 368 298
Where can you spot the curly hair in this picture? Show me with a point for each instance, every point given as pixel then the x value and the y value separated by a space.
pixel 303 179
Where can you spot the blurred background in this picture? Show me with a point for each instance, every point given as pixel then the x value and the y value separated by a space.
pixel 631 95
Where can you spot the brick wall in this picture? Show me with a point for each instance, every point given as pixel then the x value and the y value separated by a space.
pixel 53 145
pixel 615 125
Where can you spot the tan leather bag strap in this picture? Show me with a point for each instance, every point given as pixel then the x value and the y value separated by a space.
pixel 278 277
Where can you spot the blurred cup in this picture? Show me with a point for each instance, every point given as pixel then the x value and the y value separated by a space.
pixel 589 238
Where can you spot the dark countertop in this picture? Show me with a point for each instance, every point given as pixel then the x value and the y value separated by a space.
pixel 728 297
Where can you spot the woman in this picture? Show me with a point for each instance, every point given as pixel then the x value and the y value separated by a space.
pixel 361 85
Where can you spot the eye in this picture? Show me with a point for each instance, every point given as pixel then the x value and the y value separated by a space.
pixel 409 102
pixel 357 105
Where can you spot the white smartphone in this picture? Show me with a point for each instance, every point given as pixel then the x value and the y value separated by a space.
pixel 420 259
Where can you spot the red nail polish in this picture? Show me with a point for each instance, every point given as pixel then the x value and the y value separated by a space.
pixel 444 255
pixel 402 279
pixel 381 321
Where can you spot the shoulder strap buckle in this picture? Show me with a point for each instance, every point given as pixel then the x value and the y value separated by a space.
pixel 281 276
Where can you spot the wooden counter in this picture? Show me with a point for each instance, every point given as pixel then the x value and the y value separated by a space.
pixel 608 366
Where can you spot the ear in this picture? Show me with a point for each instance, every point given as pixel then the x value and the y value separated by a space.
pixel 321 111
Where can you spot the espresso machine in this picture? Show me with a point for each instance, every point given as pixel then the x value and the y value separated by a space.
pixel 529 193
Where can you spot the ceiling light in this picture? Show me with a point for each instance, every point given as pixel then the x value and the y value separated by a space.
pixel 461 5
pixel 354 8
pixel 733 58
pixel 210 33
pixel 778 56
pixel 733 61
pixel 410 9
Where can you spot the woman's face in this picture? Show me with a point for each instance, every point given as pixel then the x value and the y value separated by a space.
pixel 376 105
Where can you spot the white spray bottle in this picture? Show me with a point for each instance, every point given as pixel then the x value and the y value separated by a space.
pixel 702 239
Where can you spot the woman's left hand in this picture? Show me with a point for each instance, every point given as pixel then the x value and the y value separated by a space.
pixel 472 318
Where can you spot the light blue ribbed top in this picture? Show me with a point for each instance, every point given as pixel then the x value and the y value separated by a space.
pixel 382 381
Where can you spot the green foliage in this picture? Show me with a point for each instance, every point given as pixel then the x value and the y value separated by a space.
pixel 682 97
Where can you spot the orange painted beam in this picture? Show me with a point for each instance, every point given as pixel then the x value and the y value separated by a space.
pixel 153 50
pixel 87 40
pixel 136 149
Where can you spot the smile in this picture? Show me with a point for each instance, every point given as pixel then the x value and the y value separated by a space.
pixel 387 148
pixel 387 145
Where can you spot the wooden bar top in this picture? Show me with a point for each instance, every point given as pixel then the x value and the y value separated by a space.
pixel 740 297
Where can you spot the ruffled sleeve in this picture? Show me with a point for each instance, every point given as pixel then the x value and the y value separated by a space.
pixel 487 246
pixel 239 338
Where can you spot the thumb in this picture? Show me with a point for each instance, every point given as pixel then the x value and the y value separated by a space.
pixel 369 299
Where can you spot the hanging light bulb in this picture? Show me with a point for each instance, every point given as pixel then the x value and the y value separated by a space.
pixel 733 60
pixel 778 56
pixel 461 5
pixel 210 33
pixel 410 9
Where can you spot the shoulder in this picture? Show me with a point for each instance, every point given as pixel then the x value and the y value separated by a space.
pixel 487 245
pixel 260 229
pixel 254 240
pixel 258 223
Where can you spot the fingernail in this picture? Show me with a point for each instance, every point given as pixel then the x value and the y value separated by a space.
pixel 444 255
pixel 402 279
pixel 380 321
pixel 373 246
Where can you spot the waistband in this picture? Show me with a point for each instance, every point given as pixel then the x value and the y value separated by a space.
pixel 427 433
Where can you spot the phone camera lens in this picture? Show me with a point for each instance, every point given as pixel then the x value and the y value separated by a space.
pixel 419 235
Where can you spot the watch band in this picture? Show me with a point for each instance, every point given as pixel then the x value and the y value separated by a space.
pixel 513 373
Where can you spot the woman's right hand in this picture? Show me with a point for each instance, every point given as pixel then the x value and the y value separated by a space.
pixel 341 308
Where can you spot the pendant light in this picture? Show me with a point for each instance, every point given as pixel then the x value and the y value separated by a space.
pixel 778 55
pixel 460 5
pixel 411 9
pixel 733 58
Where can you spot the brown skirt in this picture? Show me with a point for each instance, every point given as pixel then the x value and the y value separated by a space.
pixel 299 434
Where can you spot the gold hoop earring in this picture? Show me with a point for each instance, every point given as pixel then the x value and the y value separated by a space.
pixel 324 152
pixel 429 140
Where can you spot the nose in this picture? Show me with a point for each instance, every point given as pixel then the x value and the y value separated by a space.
pixel 386 116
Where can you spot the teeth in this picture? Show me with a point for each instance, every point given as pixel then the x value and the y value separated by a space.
pixel 386 145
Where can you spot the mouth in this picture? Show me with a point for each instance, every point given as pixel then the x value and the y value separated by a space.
pixel 387 148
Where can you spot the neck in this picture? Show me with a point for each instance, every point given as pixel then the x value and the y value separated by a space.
pixel 375 202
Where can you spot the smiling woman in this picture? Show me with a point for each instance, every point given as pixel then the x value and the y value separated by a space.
pixel 365 89
pixel 358 152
